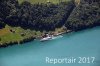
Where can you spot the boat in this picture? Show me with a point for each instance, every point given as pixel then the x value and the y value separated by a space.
pixel 46 38
pixel 50 37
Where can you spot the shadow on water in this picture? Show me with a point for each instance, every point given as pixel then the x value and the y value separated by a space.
pixel 82 31
pixel 34 46
pixel 36 42
pixel 37 45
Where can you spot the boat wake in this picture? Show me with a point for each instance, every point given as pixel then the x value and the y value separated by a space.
pixel 56 37
pixel 50 38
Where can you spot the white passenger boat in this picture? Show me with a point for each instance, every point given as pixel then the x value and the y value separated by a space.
pixel 46 38
pixel 50 38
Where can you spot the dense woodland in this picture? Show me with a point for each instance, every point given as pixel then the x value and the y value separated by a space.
pixel 35 16
pixel 2 25
pixel 50 16
pixel 85 15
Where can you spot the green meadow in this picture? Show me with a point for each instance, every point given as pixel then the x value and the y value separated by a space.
pixel 7 36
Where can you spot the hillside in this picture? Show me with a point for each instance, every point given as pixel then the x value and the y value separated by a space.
pixel 85 15
pixel 27 21
pixel 30 19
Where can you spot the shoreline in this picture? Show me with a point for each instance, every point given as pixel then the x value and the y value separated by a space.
pixel 29 39
pixel 17 42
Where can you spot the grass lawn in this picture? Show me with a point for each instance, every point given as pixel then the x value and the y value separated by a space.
pixel 17 34
pixel 7 36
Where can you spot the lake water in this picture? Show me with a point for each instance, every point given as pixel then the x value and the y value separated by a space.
pixel 84 43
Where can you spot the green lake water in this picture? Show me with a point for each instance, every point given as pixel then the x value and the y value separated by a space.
pixel 84 43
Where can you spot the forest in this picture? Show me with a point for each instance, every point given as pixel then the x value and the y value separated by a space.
pixel 85 15
pixel 35 16
pixel 49 16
